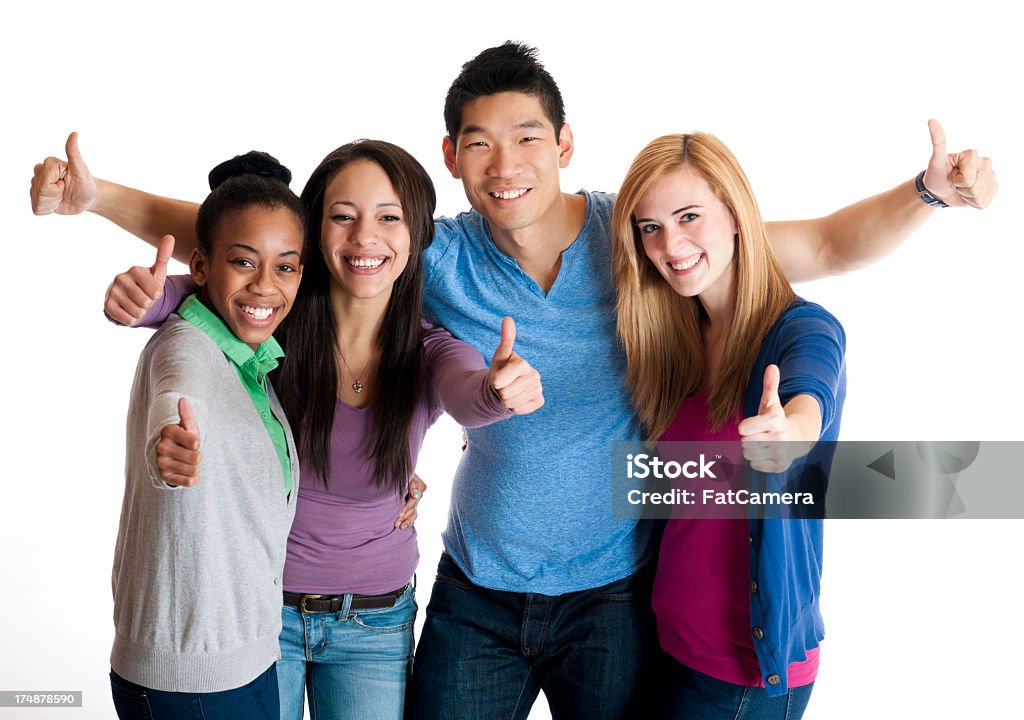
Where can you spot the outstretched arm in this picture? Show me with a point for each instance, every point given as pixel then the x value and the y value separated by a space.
pixel 66 187
pixel 862 233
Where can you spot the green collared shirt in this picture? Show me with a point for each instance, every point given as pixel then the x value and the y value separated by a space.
pixel 252 367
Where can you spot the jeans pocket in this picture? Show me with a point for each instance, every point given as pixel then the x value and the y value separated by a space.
pixel 628 589
pixel 449 573
pixel 400 617
pixel 130 700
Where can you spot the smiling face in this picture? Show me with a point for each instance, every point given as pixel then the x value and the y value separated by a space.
pixel 363 233
pixel 508 154
pixel 252 272
pixel 687 232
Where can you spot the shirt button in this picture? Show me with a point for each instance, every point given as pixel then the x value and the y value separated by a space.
pixel 773 679
pixel 758 634
pixel 277 581
pixel 751 539
pixel 265 415
pixel 753 586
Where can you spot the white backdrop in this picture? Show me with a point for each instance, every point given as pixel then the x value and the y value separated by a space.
pixel 823 106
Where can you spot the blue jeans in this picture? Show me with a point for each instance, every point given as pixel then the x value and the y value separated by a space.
pixel 487 653
pixel 695 696
pixel 350 664
pixel 256 701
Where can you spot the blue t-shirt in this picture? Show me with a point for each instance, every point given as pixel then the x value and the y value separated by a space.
pixel 531 507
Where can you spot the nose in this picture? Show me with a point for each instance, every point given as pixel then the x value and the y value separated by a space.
pixel 505 161
pixel 673 237
pixel 363 232
pixel 263 282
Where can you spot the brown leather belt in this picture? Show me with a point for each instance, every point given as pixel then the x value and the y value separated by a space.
pixel 333 603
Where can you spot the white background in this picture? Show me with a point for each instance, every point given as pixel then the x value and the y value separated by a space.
pixel 822 105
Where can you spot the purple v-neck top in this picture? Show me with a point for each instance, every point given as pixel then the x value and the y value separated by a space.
pixel 343 539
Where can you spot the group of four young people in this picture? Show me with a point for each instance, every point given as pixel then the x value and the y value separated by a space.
pixel 684 327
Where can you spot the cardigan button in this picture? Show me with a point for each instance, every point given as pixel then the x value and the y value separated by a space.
pixel 753 586
pixel 773 679
pixel 758 634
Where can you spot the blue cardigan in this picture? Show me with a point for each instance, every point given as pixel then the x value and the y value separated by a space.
pixel 808 345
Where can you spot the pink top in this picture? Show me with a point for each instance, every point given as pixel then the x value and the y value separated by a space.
pixel 702 588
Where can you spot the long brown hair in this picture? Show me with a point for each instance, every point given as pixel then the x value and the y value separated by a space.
pixel 660 330
pixel 309 378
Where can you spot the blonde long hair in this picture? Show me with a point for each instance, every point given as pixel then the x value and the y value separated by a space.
pixel 660 330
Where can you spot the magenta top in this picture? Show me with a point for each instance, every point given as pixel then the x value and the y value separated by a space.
pixel 702 588
pixel 343 539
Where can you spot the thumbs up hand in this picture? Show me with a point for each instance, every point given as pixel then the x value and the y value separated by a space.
pixel 778 435
pixel 958 179
pixel 177 450
pixel 65 187
pixel 770 422
pixel 515 382
pixel 133 292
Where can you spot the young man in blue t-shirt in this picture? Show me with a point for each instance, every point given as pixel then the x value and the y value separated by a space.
pixel 540 588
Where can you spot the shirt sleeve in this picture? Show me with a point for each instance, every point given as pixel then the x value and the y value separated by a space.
pixel 180 366
pixel 458 381
pixel 176 289
pixel 812 359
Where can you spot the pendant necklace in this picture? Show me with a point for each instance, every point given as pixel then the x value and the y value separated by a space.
pixel 358 384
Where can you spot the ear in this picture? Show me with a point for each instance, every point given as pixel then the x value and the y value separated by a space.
pixel 565 146
pixel 448 149
pixel 199 266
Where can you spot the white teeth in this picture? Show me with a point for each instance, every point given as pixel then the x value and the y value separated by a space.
pixel 686 264
pixel 509 194
pixel 366 262
pixel 258 313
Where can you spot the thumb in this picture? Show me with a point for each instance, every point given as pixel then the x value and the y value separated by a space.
pixel 938 159
pixel 188 419
pixel 71 149
pixel 770 389
pixel 508 339
pixel 164 251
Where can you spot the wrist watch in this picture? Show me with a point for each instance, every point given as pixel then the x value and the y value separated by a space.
pixel 926 196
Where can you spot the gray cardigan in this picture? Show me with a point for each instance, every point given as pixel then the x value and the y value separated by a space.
pixel 197 571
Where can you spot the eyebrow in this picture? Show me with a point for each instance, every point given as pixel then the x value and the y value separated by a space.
pixel 673 213
pixel 524 125
pixel 254 251
pixel 349 203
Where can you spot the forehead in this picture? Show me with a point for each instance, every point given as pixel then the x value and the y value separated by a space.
pixel 274 230
pixel 503 111
pixel 682 186
pixel 362 177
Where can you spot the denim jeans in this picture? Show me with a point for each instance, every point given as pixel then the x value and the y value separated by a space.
pixel 487 653
pixel 351 664
pixel 695 696
pixel 256 701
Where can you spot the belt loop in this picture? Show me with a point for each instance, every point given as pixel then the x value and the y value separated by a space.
pixel 346 607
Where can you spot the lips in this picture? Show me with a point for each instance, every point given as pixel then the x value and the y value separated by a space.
pixel 258 315
pixel 686 264
pixel 508 194
pixel 365 264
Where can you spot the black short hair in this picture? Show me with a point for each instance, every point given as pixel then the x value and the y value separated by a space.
pixel 254 178
pixel 509 67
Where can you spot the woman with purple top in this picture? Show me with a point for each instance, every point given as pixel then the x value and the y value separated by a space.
pixel 363 379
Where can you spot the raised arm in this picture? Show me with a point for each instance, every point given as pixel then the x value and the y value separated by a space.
pixel 862 233
pixel 473 393
pixel 66 187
